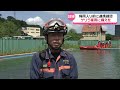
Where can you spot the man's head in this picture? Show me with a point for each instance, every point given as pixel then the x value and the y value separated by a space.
pixel 54 31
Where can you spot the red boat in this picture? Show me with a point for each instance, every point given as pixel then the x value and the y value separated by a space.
pixel 89 48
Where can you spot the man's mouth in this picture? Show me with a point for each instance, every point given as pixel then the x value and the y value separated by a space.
pixel 56 43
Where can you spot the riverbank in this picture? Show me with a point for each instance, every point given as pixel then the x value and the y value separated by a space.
pixel 16 56
pixel 27 54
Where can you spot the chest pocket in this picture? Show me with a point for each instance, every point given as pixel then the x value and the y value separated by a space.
pixel 65 73
pixel 47 73
pixel 65 69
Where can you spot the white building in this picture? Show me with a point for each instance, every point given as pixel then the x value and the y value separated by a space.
pixel 32 31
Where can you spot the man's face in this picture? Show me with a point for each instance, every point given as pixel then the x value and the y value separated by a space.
pixel 55 40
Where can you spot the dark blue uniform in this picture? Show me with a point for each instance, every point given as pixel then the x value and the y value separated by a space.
pixel 49 67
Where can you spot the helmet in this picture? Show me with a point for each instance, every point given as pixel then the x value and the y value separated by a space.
pixel 55 25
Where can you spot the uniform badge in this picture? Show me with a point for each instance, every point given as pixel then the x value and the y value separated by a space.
pixel 66 61
pixel 44 65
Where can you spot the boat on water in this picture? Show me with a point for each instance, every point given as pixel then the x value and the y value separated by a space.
pixel 89 48
pixel 95 48
pixel 99 46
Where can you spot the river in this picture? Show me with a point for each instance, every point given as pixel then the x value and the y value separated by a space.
pixel 92 64
pixel 98 64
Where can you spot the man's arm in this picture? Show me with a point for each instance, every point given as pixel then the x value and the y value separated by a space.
pixel 74 70
pixel 35 72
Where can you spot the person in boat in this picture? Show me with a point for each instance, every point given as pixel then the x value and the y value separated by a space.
pixel 103 45
pixel 109 44
pixel 106 45
pixel 54 62
pixel 98 44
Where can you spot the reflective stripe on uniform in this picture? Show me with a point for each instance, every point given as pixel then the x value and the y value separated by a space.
pixel 51 70
pixel 58 58
pixel 64 67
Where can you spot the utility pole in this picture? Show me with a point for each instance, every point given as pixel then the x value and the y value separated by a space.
pixel 0 14
pixel 14 14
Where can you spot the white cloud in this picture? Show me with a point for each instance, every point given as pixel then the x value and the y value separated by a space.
pixel 56 12
pixel 35 21
pixel 2 11
pixel 78 28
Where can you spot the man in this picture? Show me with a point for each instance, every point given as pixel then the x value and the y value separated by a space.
pixel 98 44
pixel 109 44
pixel 54 63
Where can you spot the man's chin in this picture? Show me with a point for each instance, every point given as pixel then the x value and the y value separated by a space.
pixel 56 48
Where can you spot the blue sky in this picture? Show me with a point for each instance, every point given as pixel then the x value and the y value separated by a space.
pixel 40 17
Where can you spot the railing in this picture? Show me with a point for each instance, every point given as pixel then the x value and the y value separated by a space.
pixel 12 46
pixel 20 46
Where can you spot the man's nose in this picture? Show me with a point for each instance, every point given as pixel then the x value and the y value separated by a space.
pixel 56 36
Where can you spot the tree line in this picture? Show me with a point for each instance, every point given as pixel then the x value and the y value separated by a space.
pixel 12 27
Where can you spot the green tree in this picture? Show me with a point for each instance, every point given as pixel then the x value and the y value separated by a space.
pixel 73 35
pixel 10 18
pixel 11 26
pixel 109 36
pixel 2 19
pixel 1 30
pixel 8 29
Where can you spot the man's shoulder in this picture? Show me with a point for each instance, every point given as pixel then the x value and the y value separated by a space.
pixel 68 53
pixel 39 55
pixel 39 52
pixel 36 54
pixel 42 51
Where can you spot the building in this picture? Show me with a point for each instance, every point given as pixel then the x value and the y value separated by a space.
pixel 32 31
pixel 117 30
pixel 117 33
pixel 93 32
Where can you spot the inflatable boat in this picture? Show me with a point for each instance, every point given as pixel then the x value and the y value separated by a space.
pixel 89 48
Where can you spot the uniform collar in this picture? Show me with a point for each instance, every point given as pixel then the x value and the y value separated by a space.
pixel 48 54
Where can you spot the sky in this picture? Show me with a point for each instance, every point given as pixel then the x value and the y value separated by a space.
pixel 40 17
